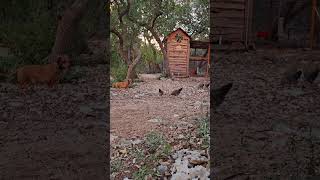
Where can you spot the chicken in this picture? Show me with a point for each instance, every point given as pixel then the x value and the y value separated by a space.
pixel 219 94
pixel 292 74
pixel 176 92
pixel 200 86
pixel 160 92
pixel 293 78
pixel 311 73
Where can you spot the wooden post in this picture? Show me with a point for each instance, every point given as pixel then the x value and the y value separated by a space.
pixel 312 27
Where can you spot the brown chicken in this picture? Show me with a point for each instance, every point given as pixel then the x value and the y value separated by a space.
pixel 37 74
pixel 124 84
pixel 176 92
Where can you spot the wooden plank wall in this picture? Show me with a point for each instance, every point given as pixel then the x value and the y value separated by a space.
pixel 178 57
pixel 227 19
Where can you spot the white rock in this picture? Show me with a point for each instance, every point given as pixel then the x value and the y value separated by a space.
pixel 155 120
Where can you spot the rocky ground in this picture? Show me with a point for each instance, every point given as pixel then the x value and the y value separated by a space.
pixel 265 128
pixel 139 112
pixel 140 109
pixel 55 133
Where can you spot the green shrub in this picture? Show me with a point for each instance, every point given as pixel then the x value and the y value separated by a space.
pixel 119 73
pixel 204 131
pixel 154 140
pixel 73 74
pixel 31 41
pixel 142 173
pixel 118 68
pixel 8 64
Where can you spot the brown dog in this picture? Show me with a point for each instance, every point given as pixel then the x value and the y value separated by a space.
pixel 38 74
pixel 124 84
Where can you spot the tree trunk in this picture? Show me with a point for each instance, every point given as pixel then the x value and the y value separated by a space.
pixel 131 69
pixel 163 50
pixel 67 27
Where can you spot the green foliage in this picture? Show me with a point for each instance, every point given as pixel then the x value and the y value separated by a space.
pixel 9 63
pixel 118 68
pixel 116 165
pixel 149 54
pixel 28 28
pixel 204 131
pixel 154 140
pixel 166 149
pixel 31 42
pixel 73 74
pixel 142 173
pixel 139 154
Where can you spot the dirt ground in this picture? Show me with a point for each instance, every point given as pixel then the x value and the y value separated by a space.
pixel 139 110
pixel 55 133
pixel 263 127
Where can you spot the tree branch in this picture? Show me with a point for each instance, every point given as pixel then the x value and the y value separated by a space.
pixel 121 43
pixel 155 18
pixel 124 12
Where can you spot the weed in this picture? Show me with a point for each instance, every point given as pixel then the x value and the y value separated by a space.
pixel 154 140
pixel 139 154
pixel 116 164
pixel 142 173
pixel 204 131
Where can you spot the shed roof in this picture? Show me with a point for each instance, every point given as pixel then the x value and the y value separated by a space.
pixel 165 38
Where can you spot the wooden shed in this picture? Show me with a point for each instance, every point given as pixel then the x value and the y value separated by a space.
pixel 230 21
pixel 178 45
pixel 287 22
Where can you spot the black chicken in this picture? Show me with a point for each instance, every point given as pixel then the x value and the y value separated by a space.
pixel 200 86
pixel 311 75
pixel 161 92
pixel 292 74
pixel 293 78
pixel 219 94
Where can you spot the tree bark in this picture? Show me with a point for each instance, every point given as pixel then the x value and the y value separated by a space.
pixel 131 69
pixel 67 27
pixel 163 50
pixel 150 27
pixel 121 49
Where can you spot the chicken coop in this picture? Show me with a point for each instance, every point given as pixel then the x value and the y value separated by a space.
pixel 291 22
pixel 186 57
